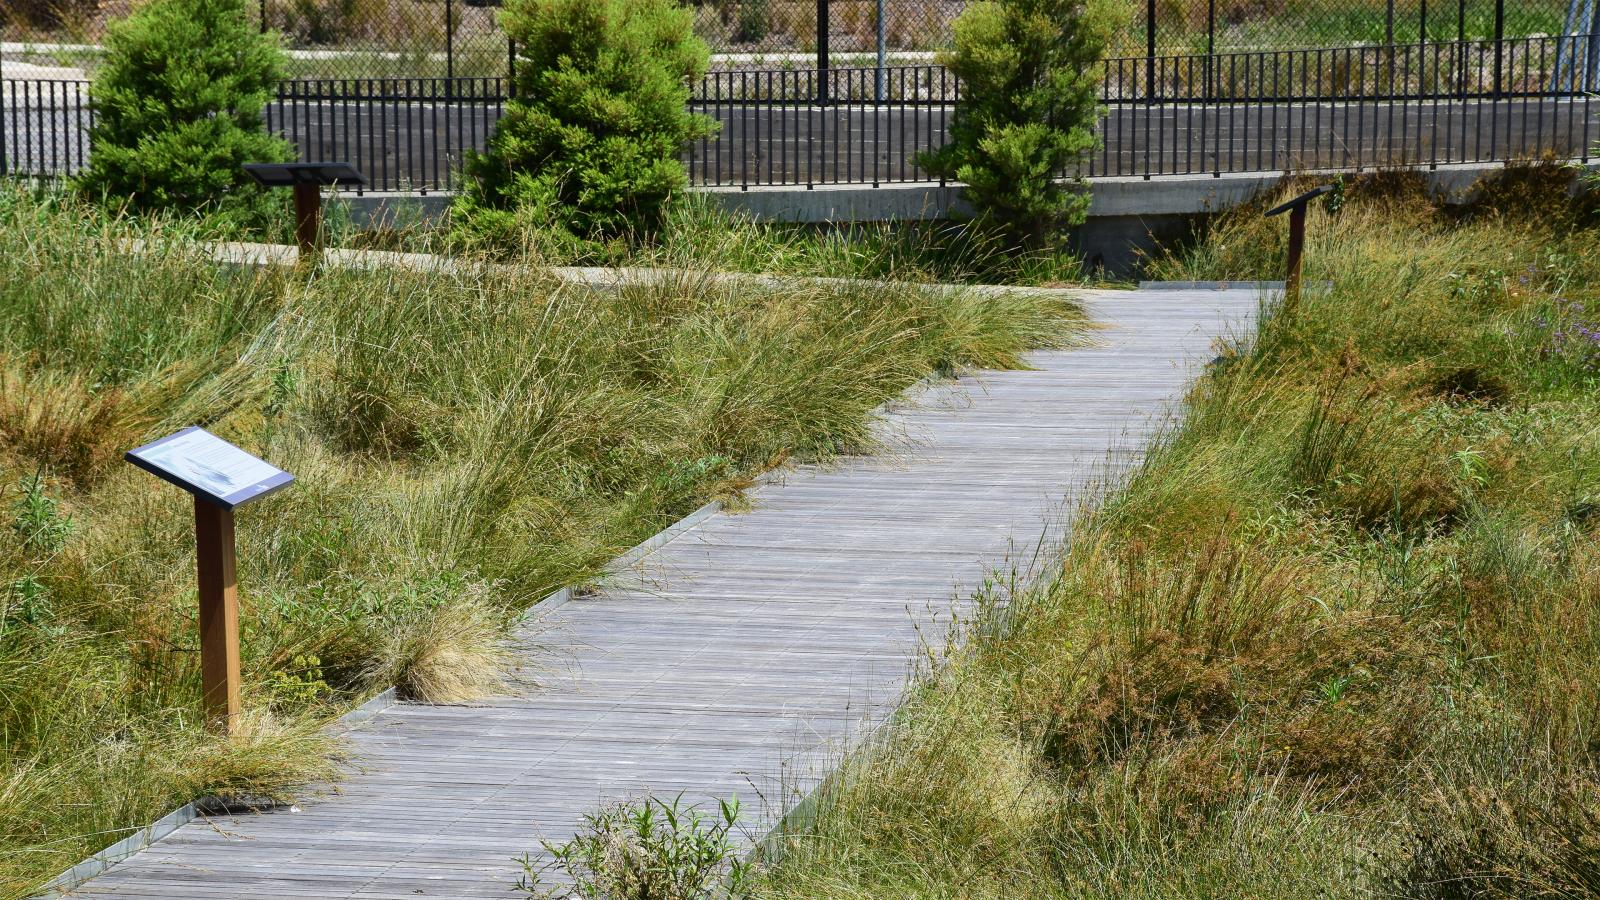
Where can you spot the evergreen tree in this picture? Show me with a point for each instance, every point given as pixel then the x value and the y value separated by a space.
pixel 1029 100
pixel 178 109
pixel 591 143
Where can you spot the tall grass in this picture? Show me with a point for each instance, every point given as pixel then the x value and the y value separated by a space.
pixel 464 443
pixel 1340 636
pixel 700 235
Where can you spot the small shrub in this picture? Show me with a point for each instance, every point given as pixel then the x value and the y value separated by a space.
pixel 178 108
pixel 754 22
pixel 591 144
pixel 1028 106
pixel 651 851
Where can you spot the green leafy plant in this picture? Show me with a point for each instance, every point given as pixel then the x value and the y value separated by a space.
pixel 25 601
pixel 178 110
pixel 591 144
pixel 37 519
pixel 655 850
pixel 1028 104
pixel 301 683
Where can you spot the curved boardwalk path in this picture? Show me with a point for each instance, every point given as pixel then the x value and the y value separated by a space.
pixel 742 656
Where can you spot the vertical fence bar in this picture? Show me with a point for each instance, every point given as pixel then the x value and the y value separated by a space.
pixel 511 68
pixel 1150 49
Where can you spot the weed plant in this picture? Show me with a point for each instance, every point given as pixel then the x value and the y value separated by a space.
pixel 464 443
pixel 1339 636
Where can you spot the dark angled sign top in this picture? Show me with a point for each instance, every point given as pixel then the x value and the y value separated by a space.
pixel 1301 200
pixel 209 467
pixel 290 174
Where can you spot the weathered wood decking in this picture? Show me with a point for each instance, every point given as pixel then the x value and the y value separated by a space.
pixel 739 658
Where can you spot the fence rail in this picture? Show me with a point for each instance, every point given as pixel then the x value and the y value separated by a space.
pixel 1395 105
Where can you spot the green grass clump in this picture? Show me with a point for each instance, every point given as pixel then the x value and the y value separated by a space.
pixel 464 443
pixel 1339 636
pixel 698 234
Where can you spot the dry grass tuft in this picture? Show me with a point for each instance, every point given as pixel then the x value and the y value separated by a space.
pixel 1340 636
pixel 464 443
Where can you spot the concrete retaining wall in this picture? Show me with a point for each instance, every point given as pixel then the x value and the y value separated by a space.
pixel 1128 217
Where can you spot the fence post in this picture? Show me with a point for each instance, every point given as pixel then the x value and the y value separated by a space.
pixel 1150 50
pixel 263 16
pixel 1211 46
pixel 450 47
pixel 824 25
pixel 883 52
pixel 4 169
pixel 1499 46
pixel 511 67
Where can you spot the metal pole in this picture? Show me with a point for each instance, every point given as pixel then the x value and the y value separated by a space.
pixel 1211 44
pixel 883 48
pixel 1592 57
pixel 263 16
pixel 219 615
pixel 1499 46
pixel 511 67
pixel 1388 34
pixel 450 48
pixel 1150 50
pixel 824 25
pixel 3 164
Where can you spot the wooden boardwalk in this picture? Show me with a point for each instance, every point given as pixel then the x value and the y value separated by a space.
pixel 740 658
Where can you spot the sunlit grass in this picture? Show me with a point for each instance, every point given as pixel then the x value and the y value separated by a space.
pixel 1340 636
pixel 464 443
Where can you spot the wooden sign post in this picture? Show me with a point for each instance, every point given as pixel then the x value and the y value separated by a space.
pixel 219 612
pixel 1296 209
pixel 221 477
pixel 307 180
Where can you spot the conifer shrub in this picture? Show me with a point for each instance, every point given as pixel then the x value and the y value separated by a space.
pixel 1029 100
pixel 178 110
pixel 589 149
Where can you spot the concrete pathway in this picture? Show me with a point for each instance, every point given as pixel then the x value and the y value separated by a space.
pixel 743 656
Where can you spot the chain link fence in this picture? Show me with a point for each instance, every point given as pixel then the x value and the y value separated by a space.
pixel 462 38
pixel 1175 27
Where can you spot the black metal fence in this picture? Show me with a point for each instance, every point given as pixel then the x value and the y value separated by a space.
pixel 1428 104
